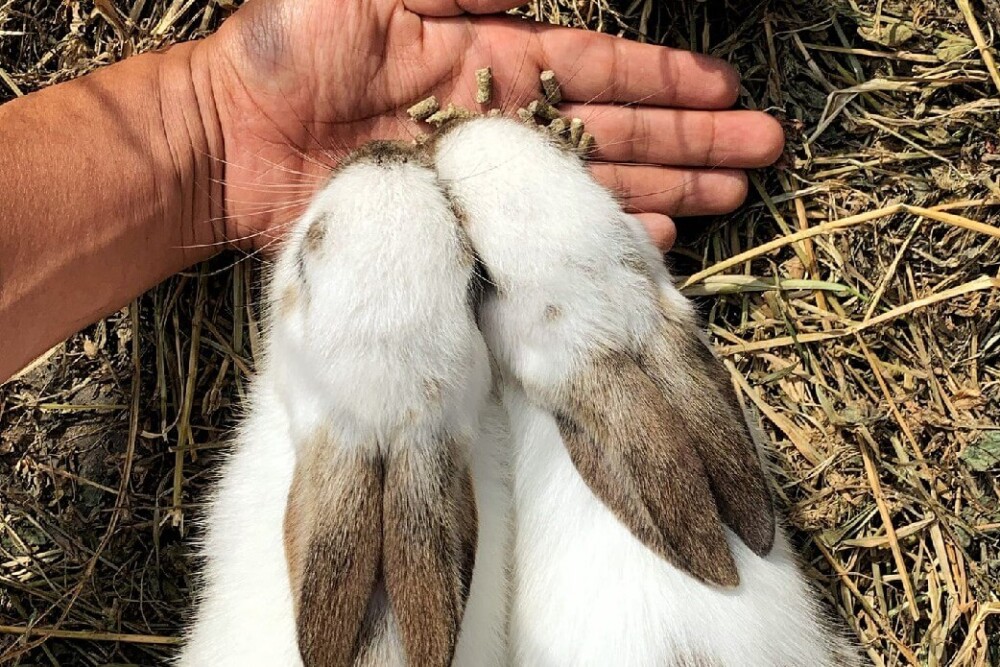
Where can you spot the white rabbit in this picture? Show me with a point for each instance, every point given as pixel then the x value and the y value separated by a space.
pixel 631 452
pixel 344 528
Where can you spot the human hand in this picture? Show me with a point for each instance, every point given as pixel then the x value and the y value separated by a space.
pixel 295 85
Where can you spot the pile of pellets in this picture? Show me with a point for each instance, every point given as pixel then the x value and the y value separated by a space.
pixel 541 112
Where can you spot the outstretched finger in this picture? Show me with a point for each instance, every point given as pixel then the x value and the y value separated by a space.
pixel 681 137
pixel 595 67
pixel 439 8
pixel 674 192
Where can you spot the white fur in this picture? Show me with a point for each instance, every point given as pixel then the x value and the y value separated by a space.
pixel 483 638
pixel 245 617
pixel 586 592
pixel 382 308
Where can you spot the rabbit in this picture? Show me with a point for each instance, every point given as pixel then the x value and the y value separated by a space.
pixel 644 530
pixel 368 482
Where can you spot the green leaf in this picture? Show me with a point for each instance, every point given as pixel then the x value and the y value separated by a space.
pixel 984 453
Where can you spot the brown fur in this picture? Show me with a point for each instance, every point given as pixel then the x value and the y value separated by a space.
pixel 432 391
pixel 466 254
pixel 621 439
pixel 700 395
pixel 478 286
pixel 387 152
pixel 496 385
pixel 430 545
pixel 333 542
pixel 311 244
pixel 380 549
pixel 289 300
pixel 660 438
pixel 701 402
pixel 315 234
pixel 380 554
pixel 469 259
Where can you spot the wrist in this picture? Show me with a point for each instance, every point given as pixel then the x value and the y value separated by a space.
pixel 252 103
pixel 194 143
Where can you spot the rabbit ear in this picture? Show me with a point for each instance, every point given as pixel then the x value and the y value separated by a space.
pixel 660 439
pixel 333 543
pixel 415 519
pixel 621 437
pixel 430 546
pixel 699 394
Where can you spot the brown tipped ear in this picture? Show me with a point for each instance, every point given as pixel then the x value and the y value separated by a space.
pixel 621 438
pixel 430 546
pixel 333 543
pixel 701 400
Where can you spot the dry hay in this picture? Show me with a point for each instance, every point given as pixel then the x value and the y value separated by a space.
pixel 870 345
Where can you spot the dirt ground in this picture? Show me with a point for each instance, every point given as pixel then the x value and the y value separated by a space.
pixel 854 298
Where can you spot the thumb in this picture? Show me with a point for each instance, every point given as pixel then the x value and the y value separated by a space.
pixel 457 7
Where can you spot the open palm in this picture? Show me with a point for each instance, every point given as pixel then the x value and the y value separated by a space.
pixel 298 83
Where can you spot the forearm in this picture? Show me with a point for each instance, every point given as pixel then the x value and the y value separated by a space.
pixel 109 185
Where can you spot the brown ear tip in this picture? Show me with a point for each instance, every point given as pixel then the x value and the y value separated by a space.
pixel 730 582
pixel 725 575
pixel 765 545
pixel 763 533
pixel 718 569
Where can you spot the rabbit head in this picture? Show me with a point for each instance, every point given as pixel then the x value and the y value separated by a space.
pixel 581 312
pixel 382 371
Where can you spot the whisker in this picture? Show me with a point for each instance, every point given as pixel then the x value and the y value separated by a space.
pixel 257 156
pixel 405 123
pixel 608 107
pixel 652 193
pixel 512 93
pixel 578 66
pixel 247 256
pixel 261 187
pixel 264 209
pixel 271 165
